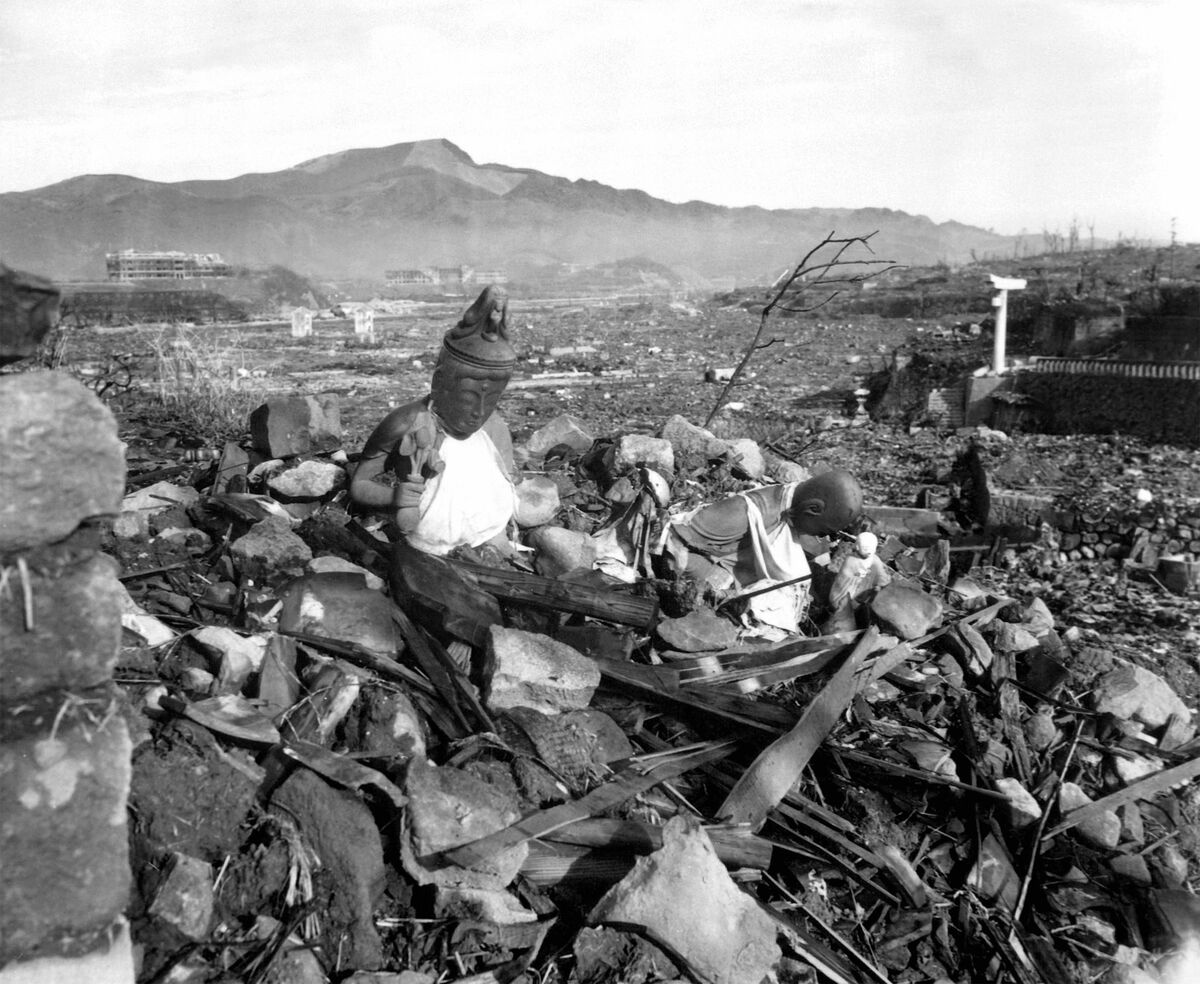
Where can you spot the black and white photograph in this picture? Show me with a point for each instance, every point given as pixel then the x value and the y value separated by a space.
pixel 599 492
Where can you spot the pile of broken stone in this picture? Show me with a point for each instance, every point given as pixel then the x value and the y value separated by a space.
pixel 357 764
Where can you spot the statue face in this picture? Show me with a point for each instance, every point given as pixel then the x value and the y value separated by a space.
pixel 464 399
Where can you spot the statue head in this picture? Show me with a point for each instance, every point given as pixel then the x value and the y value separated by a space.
pixel 826 504
pixel 475 365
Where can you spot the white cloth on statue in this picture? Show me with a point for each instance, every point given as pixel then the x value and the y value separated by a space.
pixel 469 502
pixel 777 557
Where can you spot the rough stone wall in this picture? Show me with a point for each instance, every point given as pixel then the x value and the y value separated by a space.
pixel 1165 410
pixel 64 746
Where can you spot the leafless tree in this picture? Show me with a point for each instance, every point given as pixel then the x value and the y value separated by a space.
pixel 830 275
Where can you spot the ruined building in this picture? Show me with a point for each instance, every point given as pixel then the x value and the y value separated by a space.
pixel 138 264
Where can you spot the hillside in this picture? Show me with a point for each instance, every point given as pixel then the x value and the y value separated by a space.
pixel 358 212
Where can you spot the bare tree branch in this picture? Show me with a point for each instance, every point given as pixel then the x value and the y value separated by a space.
pixel 793 284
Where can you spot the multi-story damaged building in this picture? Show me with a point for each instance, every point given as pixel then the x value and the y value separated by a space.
pixel 446 277
pixel 140 264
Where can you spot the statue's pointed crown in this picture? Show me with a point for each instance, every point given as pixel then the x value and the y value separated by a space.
pixel 480 338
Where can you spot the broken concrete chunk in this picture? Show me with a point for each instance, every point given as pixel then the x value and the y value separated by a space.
pixel 699 631
pixel 682 897
pixel 269 552
pixel 291 425
pixel 184 898
pixel 1133 692
pixel 1011 638
pixel 747 457
pixel 639 449
pixel 1023 810
pixel 448 807
pixel 1040 730
pixel 1132 867
pixel 235 655
pixel 1099 831
pixel 339 606
pixel 308 480
pixel 563 429
pixel 560 550
pixel 537 501
pixel 688 438
pixel 525 669
pixel 1170 866
pixel 906 611
pixel 53 476
pixel 1037 617
pixel 138 507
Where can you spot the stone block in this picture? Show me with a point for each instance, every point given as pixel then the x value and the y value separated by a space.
pixel 525 669
pixel 28 310
pixel 269 552
pixel 64 780
pixel 62 460
pixel 309 480
pixel 1102 830
pixel 291 425
pixel 978 398
pixel 682 897
pixel 448 807
pixel 699 631
pixel 109 962
pixel 689 438
pixel 537 501
pixel 906 611
pixel 184 897
pixel 748 458
pixel 339 606
pixel 632 450
pixel 1132 692
pixel 76 631
pixel 563 429
pixel 1020 509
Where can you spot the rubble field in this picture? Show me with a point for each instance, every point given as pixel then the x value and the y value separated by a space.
pixel 354 762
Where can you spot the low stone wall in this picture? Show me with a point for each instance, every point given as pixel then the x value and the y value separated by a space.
pixel 64 745
pixel 1155 402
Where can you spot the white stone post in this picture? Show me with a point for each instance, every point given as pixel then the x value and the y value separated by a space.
pixel 1000 302
pixel 364 322
pixel 301 323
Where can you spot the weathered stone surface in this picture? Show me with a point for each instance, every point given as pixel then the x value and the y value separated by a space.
pixel 563 429
pixel 330 564
pixel 339 606
pixel 111 962
pixel 1100 831
pixel 139 506
pixel 784 471
pixel 76 631
pixel 234 655
pixel 308 480
pixel 448 807
pixel 748 458
pixel 906 611
pixel 1133 867
pixel 699 631
pixel 291 425
pixel 525 669
pixel 184 897
pixel 560 550
pixel 685 900
pixel 1135 693
pixel 1022 808
pixel 487 905
pixel 269 552
pixel 340 828
pixel 537 501
pixel 28 310
pixel 62 831
pixel 54 477
pixel 638 449
pixel 689 438
pixel 1011 638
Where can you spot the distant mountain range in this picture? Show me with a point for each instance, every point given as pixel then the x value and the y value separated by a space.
pixel 358 213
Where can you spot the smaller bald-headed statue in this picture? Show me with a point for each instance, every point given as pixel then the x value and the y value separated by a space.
pixel 441 466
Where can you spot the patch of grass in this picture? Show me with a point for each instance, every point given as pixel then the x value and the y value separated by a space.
pixel 204 386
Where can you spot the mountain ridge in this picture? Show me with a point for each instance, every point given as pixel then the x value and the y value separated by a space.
pixel 357 212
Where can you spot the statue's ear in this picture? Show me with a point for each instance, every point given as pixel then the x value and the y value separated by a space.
pixel 813 507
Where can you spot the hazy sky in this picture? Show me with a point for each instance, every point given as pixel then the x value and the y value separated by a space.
pixel 1017 115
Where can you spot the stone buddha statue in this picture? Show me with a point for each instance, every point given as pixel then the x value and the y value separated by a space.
pixel 449 454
